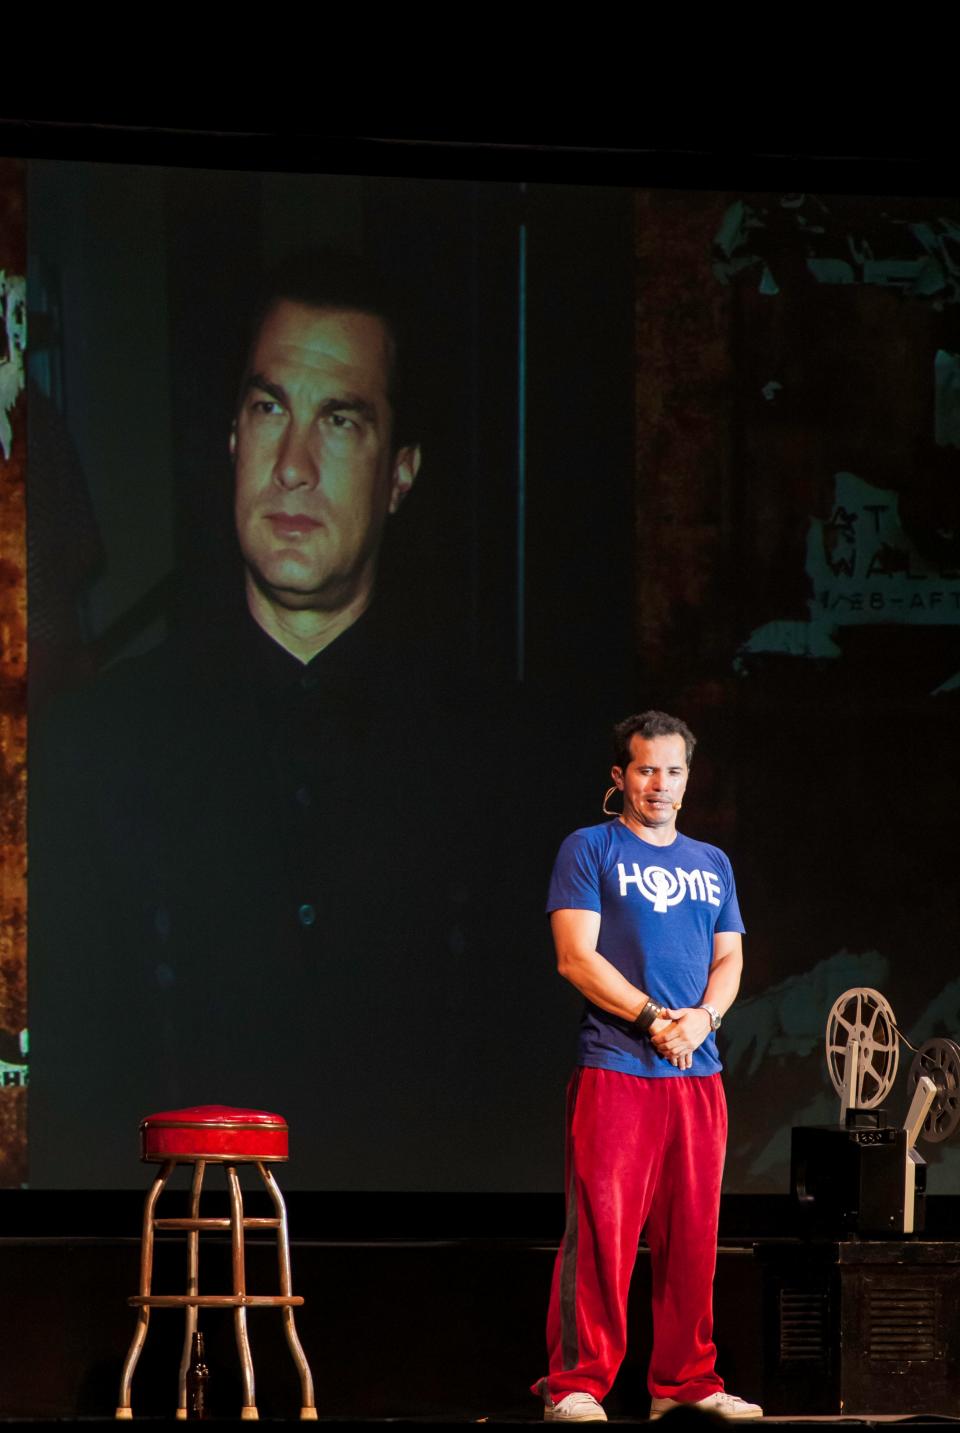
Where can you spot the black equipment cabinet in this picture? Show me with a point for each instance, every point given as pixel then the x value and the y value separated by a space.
pixel 861 1327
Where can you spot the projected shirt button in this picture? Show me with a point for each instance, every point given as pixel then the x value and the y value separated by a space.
pixel 307 914
pixel 309 681
pixel 303 796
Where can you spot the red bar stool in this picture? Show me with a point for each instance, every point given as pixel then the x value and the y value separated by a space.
pixel 202 1135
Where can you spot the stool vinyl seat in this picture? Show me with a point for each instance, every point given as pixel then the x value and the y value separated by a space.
pixel 214 1132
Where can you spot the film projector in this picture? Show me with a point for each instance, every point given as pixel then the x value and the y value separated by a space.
pixel 865 1175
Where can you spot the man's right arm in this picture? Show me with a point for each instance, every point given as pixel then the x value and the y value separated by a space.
pixel 575 934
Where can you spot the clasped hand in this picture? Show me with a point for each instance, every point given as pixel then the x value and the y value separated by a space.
pixel 678 1034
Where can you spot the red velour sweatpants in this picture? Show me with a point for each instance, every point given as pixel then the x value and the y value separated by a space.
pixel 642 1154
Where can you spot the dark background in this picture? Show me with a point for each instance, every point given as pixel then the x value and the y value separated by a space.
pixel 669 503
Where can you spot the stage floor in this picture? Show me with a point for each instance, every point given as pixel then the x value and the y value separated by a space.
pixel 449 1331
pixel 351 1425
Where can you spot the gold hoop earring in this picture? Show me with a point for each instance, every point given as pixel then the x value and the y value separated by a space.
pixel 606 797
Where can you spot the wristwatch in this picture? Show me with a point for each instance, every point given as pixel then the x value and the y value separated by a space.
pixel 714 1013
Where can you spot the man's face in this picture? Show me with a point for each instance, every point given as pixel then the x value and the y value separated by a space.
pixel 654 781
pixel 315 470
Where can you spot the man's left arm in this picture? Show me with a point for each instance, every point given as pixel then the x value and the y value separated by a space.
pixel 692 1026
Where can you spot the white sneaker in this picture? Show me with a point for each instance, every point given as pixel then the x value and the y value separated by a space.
pixel 727 1405
pixel 573 1408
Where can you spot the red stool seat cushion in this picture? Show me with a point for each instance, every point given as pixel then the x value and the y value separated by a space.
pixel 217 1132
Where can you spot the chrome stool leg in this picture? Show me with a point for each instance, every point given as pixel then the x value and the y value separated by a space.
pixel 124 1409
pixel 193 1286
pixel 249 1409
pixel 307 1405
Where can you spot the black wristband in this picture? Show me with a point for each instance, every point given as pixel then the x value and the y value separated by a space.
pixel 650 1012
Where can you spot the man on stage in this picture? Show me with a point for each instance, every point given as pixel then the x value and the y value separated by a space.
pixel 646 926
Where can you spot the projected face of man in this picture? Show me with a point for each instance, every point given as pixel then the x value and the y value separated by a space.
pixel 316 472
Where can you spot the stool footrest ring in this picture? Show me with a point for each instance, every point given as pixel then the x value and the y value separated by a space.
pixel 215 1301
pixel 250 1222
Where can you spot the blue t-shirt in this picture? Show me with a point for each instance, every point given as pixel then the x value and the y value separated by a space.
pixel 659 907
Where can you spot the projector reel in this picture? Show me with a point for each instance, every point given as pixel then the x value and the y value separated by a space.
pixel 940 1059
pixel 862 1016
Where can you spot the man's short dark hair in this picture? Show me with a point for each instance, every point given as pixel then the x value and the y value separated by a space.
pixel 330 279
pixel 648 725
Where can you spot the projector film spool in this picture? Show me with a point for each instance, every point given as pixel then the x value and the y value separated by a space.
pixel 863 1016
pixel 940 1059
